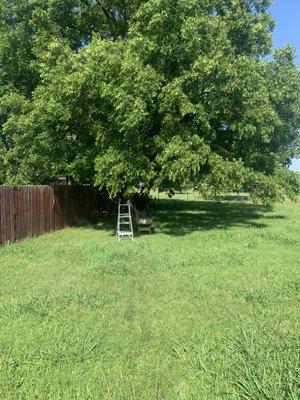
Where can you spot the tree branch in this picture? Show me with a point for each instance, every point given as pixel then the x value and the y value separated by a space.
pixel 108 15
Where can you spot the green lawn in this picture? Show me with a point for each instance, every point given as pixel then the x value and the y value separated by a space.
pixel 205 308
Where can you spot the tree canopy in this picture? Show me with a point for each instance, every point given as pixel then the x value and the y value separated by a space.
pixel 165 92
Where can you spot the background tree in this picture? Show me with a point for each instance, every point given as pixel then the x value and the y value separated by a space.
pixel 167 92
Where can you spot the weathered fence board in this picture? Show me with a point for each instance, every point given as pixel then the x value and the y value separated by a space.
pixel 34 210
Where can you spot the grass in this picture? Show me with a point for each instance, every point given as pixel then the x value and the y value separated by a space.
pixel 205 308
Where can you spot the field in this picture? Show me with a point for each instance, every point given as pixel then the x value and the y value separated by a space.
pixel 205 308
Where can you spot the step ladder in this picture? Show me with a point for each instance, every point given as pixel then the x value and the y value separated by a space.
pixel 124 227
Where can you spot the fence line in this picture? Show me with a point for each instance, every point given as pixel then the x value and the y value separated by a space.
pixel 34 210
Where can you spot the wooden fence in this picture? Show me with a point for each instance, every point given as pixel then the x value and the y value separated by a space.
pixel 34 210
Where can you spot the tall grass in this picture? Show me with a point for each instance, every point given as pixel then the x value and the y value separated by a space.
pixel 205 308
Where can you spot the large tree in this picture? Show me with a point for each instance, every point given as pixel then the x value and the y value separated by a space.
pixel 164 92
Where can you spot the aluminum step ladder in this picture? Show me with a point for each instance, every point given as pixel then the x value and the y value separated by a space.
pixel 124 227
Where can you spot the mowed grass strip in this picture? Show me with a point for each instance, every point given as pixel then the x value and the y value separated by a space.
pixel 205 308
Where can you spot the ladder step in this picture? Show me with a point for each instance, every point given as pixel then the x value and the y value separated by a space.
pixel 124 215
pixel 124 223
pixel 125 233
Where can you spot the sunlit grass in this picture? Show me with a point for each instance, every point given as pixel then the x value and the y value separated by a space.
pixel 205 308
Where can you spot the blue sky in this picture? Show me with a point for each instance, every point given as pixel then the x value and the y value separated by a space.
pixel 286 14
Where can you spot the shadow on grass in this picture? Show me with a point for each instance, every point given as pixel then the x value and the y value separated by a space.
pixel 180 217
pixel 107 223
